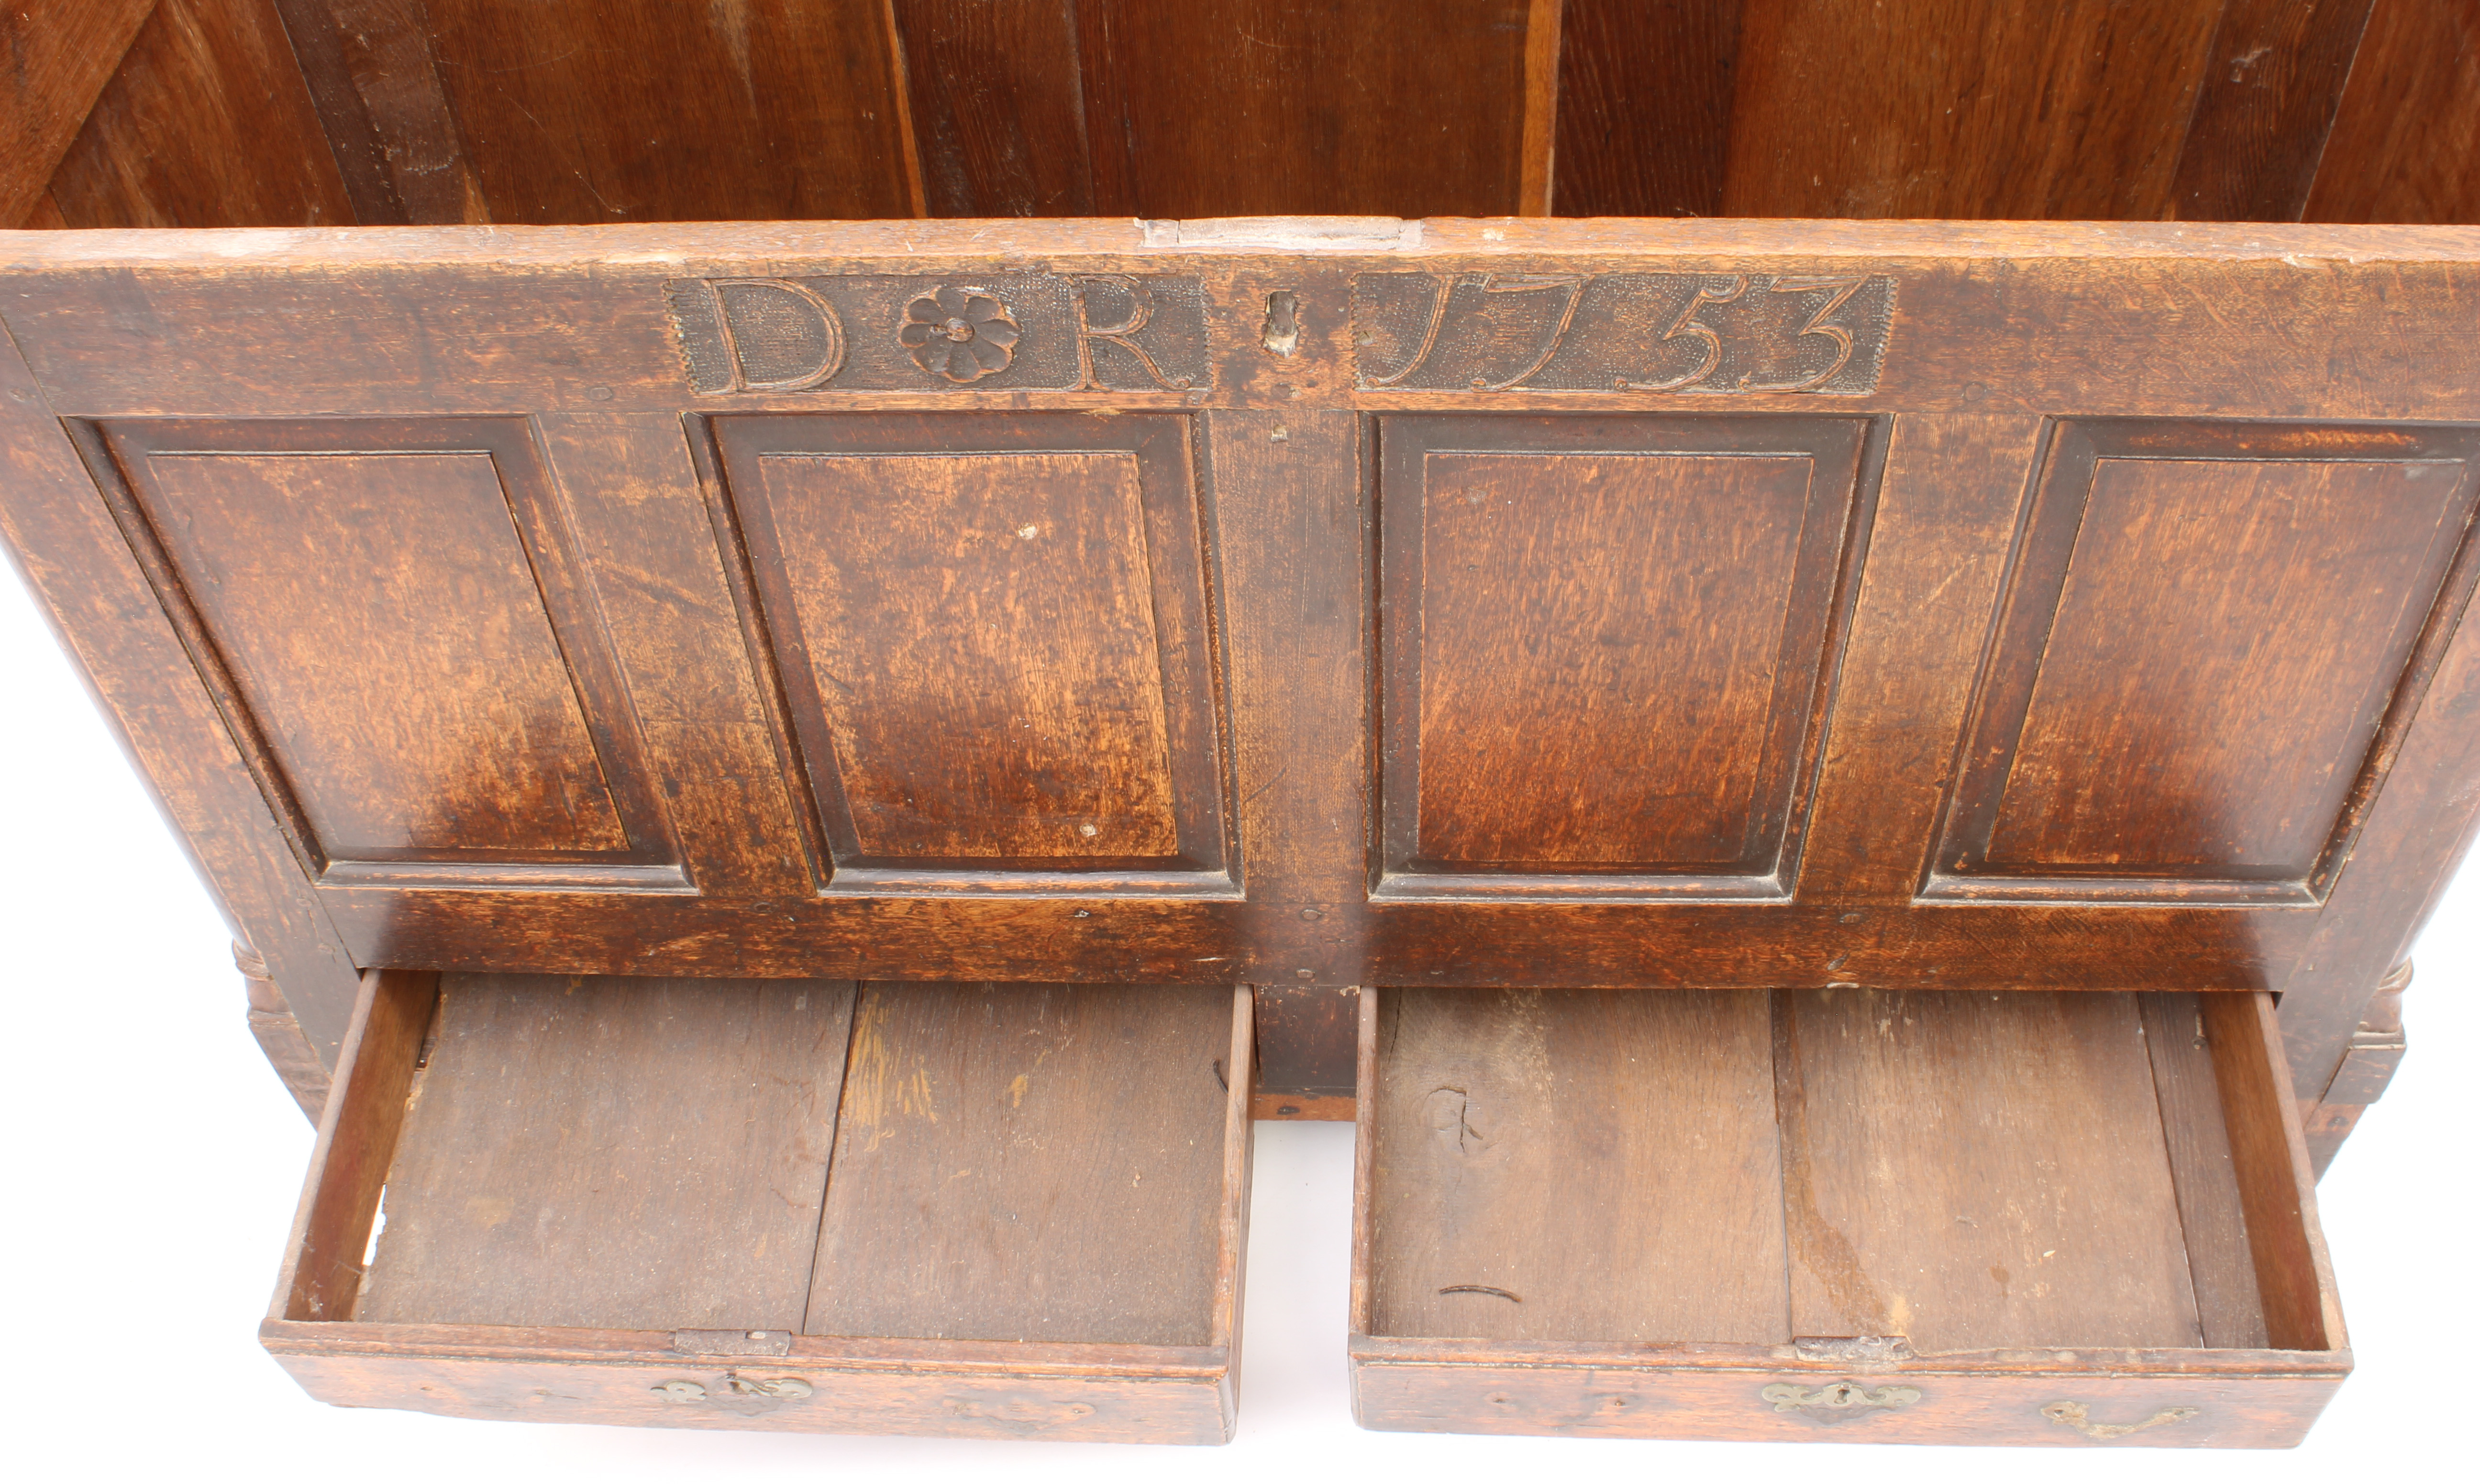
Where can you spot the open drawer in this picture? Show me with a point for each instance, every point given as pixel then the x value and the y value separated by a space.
pixel 1836 1214
pixel 976 1209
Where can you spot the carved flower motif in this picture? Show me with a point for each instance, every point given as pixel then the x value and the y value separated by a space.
pixel 962 333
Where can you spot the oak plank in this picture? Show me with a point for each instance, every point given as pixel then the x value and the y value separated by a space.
pixel 56 58
pixel 2407 133
pixel 1029 1162
pixel 617 1154
pixel 1575 1165
pixel 2273 81
pixel 1644 107
pixel 1978 1171
pixel 2219 1258
pixel 207 124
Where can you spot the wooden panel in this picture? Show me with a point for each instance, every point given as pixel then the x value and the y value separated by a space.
pixel 2295 1278
pixel 376 85
pixel 387 602
pixel 1604 645
pixel 1503 1116
pixel 357 1139
pixel 652 110
pixel 2207 631
pixel 56 56
pixel 207 124
pixel 2271 85
pixel 1285 107
pixel 999 112
pixel 1956 108
pixel 647 530
pixel 1644 107
pixel 101 602
pixel 1946 513
pixel 993 634
pixel 621 1153
pixel 1977 1171
pixel 1028 1162
pixel 2220 1263
pixel 2406 143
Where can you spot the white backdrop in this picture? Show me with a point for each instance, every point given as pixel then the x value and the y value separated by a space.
pixel 153 1162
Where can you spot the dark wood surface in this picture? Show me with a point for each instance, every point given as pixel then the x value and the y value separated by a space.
pixel 1960 1217
pixel 61 55
pixel 206 123
pixel 2415 77
pixel 573 111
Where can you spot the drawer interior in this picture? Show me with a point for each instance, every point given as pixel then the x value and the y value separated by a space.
pixel 1966 1172
pixel 905 1162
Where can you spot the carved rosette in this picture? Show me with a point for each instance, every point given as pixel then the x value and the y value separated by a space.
pixel 960 332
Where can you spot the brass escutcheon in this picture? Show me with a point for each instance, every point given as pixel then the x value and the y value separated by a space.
pixel 1843 1399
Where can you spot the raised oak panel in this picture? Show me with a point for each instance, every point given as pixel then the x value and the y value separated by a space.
pixel 1606 640
pixel 2213 635
pixel 991 631
pixel 388 610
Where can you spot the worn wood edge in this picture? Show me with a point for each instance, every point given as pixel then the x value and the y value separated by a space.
pixel 1367 1349
pixel 1364 1167
pixel 340 1194
pixel 673 245
pixel 1231 1256
pixel 2277 1186
pixel 653 1347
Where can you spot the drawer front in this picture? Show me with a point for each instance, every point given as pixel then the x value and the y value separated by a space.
pixel 2063 1409
pixel 778 1395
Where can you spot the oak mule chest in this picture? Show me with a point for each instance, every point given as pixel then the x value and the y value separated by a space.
pixel 1844 802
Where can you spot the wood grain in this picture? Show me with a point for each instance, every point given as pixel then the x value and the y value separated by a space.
pixel 1575 1165
pixel 2097 1158
pixel 1949 108
pixel 1000 1148
pixel 1644 107
pixel 2271 86
pixel 59 57
pixel 2213 725
pixel 1978 1171
pixel 207 124
pixel 376 84
pixel 2408 131
pixel 109 615
pixel 1937 553
pixel 613 1154
pixel 2295 1278
pixel 647 111
pixel 1639 610
pixel 1284 107
pixel 995 658
pixel 2212 1226
pixel 455 724
pixel 999 107
pixel 356 1145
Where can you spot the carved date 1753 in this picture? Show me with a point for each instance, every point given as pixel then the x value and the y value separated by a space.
pixel 1112 332
pixel 1685 333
